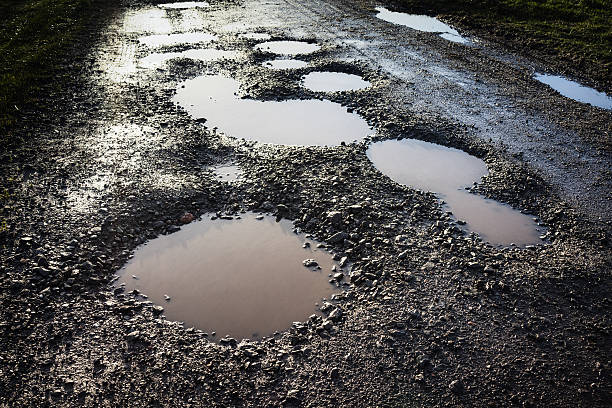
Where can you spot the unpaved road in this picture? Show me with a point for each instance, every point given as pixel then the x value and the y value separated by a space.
pixel 432 317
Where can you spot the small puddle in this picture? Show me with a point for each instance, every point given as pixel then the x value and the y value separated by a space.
pixel 421 23
pixel 255 36
pixel 207 55
pixel 184 5
pixel 333 82
pixel 292 122
pixel 575 91
pixel 288 47
pixel 447 172
pixel 244 277
pixel 228 173
pixel 285 64
pixel 159 40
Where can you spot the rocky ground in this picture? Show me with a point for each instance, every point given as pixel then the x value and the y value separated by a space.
pixel 431 316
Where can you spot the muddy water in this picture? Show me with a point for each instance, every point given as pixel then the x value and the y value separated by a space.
pixel 333 82
pixel 292 122
pixel 241 278
pixel 184 5
pixel 575 91
pixel 285 64
pixel 448 172
pixel 421 23
pixel 288 47
pixel 205 54
pixel 159 40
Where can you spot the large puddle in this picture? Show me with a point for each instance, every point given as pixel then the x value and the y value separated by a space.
pixel 421 23
pixel 204 54
pixel 243 278
pixel 447 172
pixel 293 122
pixel 285 64
pixel 159 40
pixel 333 82
pixel 575 91
pixel 288 47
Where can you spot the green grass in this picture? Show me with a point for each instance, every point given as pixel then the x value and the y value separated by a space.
pixel 34 35
pixel 576 32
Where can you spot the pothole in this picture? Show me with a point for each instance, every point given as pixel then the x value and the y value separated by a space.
pixel 243 277
pixel 207 55
pixel 292 122
pixel 285 64
pixel 333 82
pixel 255 36
pixel 575 91
pixel 421 23
pixel 184 5
pixel 288 47
pixel 228 173
pixel 447 172
pixel 159 40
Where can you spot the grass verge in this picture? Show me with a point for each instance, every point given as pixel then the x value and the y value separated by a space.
pixel 573 36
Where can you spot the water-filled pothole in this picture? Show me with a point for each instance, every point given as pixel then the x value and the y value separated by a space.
pixel 228 173
pixel 447 172
pixel 206 54
pixel 333 82
pixel 291 122
pixel 184 5
pixel 575 91
pixel 285 64
pixel 159 40
pixel 288 47
pixel 255 36
pixel 243 277
pixel 421 23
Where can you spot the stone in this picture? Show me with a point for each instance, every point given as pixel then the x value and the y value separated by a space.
pixel 186 218
pixel 337 237
pixel 310 263
pixel 335 315
pixel 456 387
pixel 334 218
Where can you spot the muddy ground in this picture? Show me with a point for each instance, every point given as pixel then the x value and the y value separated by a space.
pixel 431 317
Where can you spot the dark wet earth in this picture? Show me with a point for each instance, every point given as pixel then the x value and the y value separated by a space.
pixel 420 310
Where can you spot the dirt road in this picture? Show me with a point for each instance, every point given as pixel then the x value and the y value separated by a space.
pixel 431 317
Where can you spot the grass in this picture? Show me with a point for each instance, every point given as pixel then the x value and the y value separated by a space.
pixel 573 34
pixel 34 35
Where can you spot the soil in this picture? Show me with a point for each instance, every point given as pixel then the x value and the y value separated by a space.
pixel 429 316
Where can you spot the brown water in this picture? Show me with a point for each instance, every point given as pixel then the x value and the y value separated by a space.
pixel 293 122
pixel 447 171
pixel 242 277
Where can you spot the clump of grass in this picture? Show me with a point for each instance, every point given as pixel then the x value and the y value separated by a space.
pixel 576 32
pixel 34 34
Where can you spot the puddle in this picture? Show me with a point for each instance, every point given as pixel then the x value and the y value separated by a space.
pixel 447 171
pixel 285 64
pixel 575 91
pixel 207 55
pixel 255 36
pixel 184 5
pixel 288 47
pixel 333 82
pixel 292 122
pixel 421 23
pixel 159 40
pixel 147 21
pixel 228 173
pixel 242 277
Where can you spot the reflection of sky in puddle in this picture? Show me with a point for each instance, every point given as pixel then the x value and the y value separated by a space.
pixel 159 40
pixel 575 91
pixel 239 277
pixel 228 173
pixel 292 122
pixel 421 23
pixel 285 64
pixel 288 47
pixel 448 171
pixel 209 54
pixel 184 5
pixel 333 82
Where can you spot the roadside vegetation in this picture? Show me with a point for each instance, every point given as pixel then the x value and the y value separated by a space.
pixel 34 36
pixel 572 35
